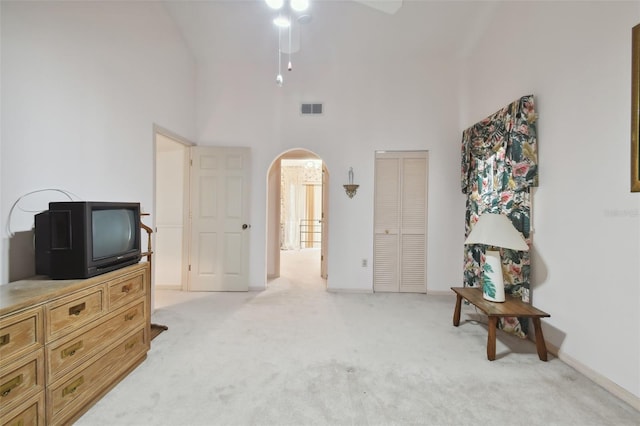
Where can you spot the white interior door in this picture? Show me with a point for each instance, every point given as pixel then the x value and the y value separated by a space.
pixel 324 228
pixel 400 222
pixel 219 243
pixel 386 219
pixel 171 178
pixel 413 223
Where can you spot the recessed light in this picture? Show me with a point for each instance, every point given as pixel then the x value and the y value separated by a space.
pixel 275 4
pixel 299 5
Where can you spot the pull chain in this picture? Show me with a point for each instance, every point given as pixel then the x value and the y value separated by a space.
pixel 290 67
pixel 279 79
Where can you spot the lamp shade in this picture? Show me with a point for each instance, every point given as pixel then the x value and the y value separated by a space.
pixel 496 230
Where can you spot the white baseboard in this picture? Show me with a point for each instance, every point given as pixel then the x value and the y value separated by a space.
pixel 599 379
pixel 350 290
pixel 252 288
pixel 440 293
pixel 368 291
pixel 168 287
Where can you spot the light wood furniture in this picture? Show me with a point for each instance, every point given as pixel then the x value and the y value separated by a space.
pixel 511 307
pixel 66 343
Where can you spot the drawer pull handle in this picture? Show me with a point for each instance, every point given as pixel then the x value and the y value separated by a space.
pixel 126 288
pixel 73 387
pixel 131 343
pixel 10 385
pixel 75 310
pixel 5 339
pixel 130 316
pixel 71 350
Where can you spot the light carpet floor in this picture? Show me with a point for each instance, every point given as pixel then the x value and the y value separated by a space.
pixel 296 354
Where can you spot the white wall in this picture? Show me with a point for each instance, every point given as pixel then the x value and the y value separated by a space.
pixel 4 247
pixel 575 58
pixel 368 107
pixel 82 85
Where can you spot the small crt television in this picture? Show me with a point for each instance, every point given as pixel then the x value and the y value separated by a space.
pixel 81 239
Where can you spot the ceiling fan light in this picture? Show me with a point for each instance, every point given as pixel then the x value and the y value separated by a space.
pixel 299 5
pixel 282 22
pixel 275 4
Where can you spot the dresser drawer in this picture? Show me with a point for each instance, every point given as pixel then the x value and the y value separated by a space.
pixel 70 394
pixel 70 351
pixel 68 313
pixel 21 379
pixel 125 290
pixel 30 413
pixel 20 333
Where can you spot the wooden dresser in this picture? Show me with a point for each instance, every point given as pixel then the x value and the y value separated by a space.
pixel 66 343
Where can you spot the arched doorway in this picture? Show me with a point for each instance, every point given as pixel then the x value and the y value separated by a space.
pixel 297 212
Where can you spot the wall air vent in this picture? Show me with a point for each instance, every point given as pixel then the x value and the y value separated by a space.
pixel 307 109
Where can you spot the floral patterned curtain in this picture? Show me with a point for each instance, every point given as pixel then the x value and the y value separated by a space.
pixel 499 166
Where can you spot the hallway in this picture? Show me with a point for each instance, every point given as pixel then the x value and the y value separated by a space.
pixel 300 268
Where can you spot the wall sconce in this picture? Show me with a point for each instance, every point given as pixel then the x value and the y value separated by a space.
pixel 350 188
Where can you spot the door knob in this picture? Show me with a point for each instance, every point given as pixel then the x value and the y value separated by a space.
pixel 245 226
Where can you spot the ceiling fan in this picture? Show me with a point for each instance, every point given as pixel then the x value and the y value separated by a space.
pixel 298 9
pixel 300 6
pixel 386 6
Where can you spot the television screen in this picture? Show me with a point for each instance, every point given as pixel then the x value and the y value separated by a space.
pixel 114 231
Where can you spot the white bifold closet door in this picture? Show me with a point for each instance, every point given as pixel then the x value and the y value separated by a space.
pixel 400 222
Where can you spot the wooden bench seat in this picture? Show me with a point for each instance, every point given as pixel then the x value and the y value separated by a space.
pixel 511 307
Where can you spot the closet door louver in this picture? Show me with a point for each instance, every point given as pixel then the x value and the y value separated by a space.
pixel 400 222
pixel 413 232
pixel 386 218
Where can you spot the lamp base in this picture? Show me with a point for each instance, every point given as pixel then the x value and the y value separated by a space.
pixel 493 283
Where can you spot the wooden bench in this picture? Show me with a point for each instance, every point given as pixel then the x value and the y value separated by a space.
pixel 511 307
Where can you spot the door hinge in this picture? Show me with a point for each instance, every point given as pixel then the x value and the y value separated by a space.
pixel 191 162
pixel 321 258
pixel 189 268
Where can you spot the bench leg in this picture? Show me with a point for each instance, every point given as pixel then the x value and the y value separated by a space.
pixel 491 338
pixel 540 345
pixel 456 311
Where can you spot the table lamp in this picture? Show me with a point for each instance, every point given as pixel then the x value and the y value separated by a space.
pixel 495 231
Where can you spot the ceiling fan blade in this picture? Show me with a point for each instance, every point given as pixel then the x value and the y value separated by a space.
pixel 386 6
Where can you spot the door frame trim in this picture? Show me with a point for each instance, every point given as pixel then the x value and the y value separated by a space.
pixel 325 210
pixel 160 130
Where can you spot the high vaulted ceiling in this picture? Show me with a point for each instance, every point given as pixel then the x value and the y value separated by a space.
pixel 242 31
